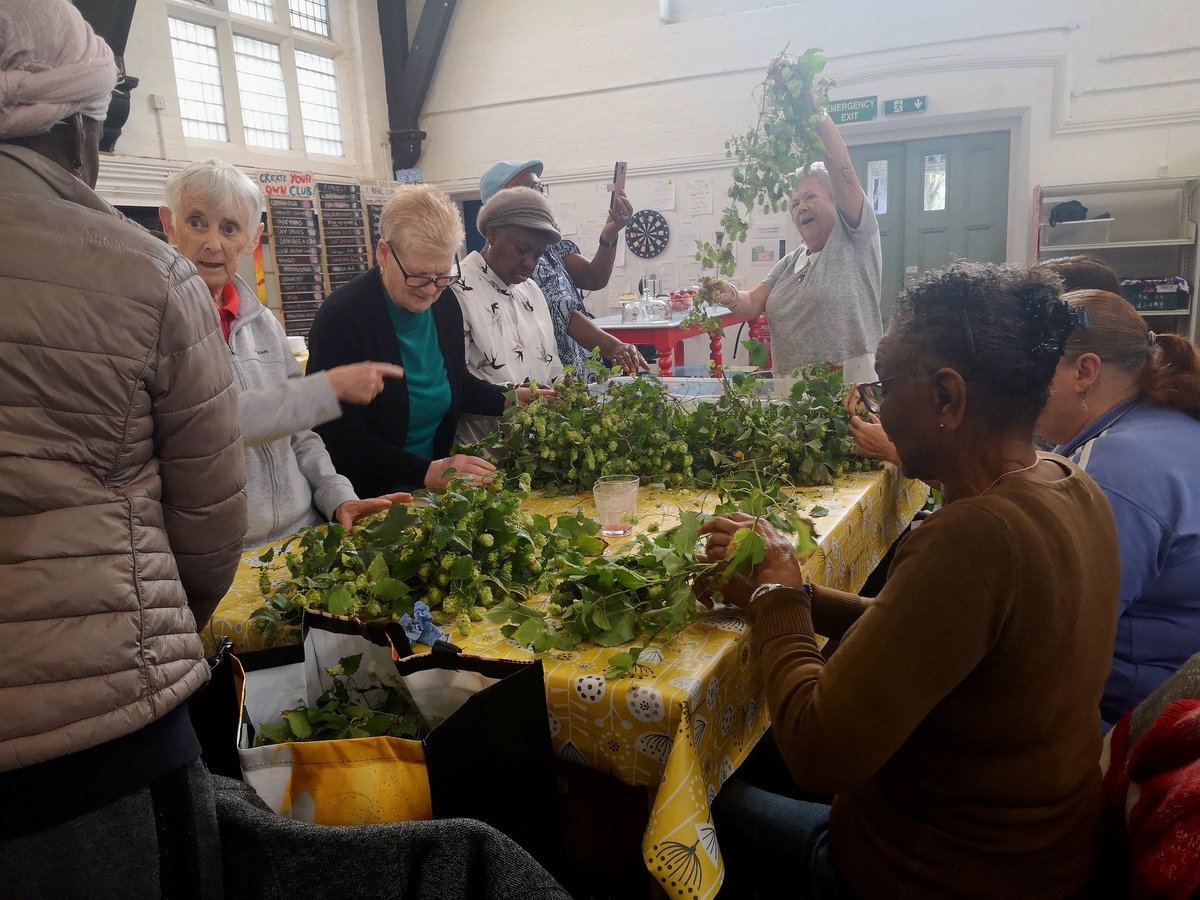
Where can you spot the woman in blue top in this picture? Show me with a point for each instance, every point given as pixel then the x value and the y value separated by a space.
pixel 404 312
pixel 1125 406
pixel 562 272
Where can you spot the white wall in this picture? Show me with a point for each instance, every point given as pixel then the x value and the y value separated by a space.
pixel 152 143
pixel 1092 90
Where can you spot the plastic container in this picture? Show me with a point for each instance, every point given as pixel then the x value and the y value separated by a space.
pixel 1083 232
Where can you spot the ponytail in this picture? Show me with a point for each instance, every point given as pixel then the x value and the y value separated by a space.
pixel 1171 376
pixel 1166 366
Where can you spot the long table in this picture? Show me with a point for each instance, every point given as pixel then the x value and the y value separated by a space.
pixel 689 714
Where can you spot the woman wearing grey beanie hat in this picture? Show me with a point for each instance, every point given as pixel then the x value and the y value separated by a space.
pixel 510 337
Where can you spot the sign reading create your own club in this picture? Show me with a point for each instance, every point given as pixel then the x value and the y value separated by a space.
pixel 855 109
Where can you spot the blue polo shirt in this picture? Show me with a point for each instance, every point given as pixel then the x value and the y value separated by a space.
pixel 1144 459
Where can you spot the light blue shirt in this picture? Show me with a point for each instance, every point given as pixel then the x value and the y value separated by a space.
pixel 1145 460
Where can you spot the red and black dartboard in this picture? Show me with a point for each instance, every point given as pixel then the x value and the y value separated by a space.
pixel 647 233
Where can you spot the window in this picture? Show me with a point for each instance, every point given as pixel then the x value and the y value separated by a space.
pixel 260 74
pixel 935 182
pixel 198 80
pixel 319 104
pixel 264 98
pixel 310 15
pixel 263 10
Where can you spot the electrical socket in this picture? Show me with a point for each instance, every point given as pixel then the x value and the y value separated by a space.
pixel 1163 170
pixel 158 101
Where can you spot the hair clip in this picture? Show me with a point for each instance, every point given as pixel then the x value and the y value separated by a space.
pixel 1151 338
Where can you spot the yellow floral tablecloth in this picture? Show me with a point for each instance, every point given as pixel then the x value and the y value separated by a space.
pixel 690 713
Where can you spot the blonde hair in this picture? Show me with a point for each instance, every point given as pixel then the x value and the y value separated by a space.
pixel 419 218
pixel 216 180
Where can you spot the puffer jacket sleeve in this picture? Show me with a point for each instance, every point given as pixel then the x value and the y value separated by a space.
pixel 198 444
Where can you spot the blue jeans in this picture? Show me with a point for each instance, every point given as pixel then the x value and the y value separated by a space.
pixel 774 847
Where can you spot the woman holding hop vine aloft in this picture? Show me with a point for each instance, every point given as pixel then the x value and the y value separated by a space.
pixel 822 299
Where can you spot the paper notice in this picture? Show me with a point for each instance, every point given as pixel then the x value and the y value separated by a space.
pixel 699 196
pixel 768 230
pixel 686 235
pixel 663 194
pixel 564 215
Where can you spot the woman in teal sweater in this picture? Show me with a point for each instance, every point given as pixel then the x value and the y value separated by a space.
pixel 404 312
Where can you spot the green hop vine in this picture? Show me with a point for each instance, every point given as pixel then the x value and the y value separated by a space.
pixel 768 155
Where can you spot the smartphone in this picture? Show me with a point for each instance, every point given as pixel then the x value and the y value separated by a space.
pixel 618 184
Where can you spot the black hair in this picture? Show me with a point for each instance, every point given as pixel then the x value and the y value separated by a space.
pixel 1003 328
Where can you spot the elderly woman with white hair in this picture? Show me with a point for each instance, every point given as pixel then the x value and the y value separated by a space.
pixel 822 299
pixel 510 336
pixel 404 312
pixel 121 500
pixel 212 216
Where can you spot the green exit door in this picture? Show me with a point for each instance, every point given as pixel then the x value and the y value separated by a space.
pixel 937 200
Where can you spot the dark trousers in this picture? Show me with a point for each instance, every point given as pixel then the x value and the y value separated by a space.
pixel 774 846
pixel 160 841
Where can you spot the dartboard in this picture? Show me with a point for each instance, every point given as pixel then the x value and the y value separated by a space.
pixel 647 233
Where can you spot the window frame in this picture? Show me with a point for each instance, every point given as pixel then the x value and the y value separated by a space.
pixel 288 39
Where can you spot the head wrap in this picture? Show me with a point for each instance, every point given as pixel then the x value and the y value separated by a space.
pixel 519 206
pixel 52 65
pixel 495 178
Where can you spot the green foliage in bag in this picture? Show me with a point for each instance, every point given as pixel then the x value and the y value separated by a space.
pixel 349 709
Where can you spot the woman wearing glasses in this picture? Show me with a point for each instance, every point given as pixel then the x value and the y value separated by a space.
pixel 212 216
pixel 563 272
pixel 957 724
pixel 404 312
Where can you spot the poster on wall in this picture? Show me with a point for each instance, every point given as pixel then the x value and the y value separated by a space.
pixel 294 238
pixel 343 231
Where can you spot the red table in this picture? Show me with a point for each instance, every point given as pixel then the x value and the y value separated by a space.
pixel 669 336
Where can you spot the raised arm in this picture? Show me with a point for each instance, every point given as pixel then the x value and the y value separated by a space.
pixel 593 274
pixel 847 192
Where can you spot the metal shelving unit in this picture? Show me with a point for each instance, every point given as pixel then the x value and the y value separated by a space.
pixel 1153 234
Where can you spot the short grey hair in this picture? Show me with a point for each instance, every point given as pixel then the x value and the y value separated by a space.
pixel 225 185
pixel 818 171
pixel 419 218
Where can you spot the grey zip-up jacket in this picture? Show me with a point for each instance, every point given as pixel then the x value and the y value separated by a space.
pixel 121 471
pixel 290 480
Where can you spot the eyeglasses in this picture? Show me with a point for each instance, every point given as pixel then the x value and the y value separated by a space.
pixel 420 281
pixel 873 393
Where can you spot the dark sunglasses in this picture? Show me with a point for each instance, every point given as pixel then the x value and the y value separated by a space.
pixel 420 281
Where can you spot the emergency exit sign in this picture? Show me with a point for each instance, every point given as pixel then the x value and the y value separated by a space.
pixel 905 105
pixel 856 109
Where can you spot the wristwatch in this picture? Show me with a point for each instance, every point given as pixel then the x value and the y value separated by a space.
pixel 604 243
pixel 769 588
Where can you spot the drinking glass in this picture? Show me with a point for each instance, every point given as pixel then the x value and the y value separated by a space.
pixel 616 503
